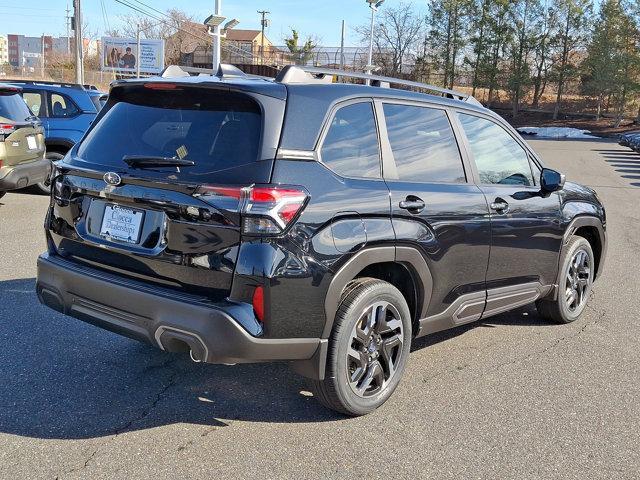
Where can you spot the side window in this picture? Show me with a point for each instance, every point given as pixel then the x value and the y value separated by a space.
pixel 62 107
pixel 34 102
pixel 423 144
pixel 351 145
pixel 499 158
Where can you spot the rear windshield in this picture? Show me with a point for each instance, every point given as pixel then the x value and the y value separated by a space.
pixel 215 129
pixel 12 107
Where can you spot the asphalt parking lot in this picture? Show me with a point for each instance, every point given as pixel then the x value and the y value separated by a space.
pixel 511 397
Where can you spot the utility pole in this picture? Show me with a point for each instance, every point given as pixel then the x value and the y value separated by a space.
pixel 216 38
pixel 342 46
pixel 265 23
pixel 68 34
pixel 42 53
pixel 77 14
pixel 138 52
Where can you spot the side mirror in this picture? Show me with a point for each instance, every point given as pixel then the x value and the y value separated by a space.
pixel 551 181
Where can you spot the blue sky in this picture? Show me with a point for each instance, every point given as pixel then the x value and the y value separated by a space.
pixel 321 18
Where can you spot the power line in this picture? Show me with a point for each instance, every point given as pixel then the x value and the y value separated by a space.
pixel 176 26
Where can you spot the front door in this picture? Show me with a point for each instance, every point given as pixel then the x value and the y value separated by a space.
pixel 437 210
pixel 525 223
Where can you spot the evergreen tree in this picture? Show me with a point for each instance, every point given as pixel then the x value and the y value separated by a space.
pixel 448 25
pixel 574 15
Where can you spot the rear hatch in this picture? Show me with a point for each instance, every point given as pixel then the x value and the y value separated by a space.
pixel 21 134
pixel 128 199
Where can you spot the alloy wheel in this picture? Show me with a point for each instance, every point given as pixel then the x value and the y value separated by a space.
pixel 578 280
pixel 375 349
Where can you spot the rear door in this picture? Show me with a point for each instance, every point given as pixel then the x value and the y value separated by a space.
pixel 173 226
pixel 526 227
pixel 436 209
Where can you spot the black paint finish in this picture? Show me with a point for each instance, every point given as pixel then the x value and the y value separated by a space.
pixel 194 247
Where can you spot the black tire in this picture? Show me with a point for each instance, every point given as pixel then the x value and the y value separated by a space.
pixel 2 194
pixel 574 283
pixel 382 348
pixel 41 187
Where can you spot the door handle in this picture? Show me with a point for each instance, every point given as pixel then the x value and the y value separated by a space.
pixel 499 205
pixel 412 204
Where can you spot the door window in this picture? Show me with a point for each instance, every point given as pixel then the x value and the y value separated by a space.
pixel 351 145
pixel 62 107
pixel 34 102
pixel 423 144
pixel 499 158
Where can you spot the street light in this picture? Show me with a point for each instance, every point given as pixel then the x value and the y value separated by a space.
pixel 373 5
pixel 213 22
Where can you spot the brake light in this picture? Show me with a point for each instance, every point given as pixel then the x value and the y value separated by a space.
pixel 269 210
pixel 265 210
pixel 160 86
pixel 7 128
pixel 258 303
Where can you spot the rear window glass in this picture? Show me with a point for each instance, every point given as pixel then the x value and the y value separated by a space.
pixel 12 107
pixel 351 145
pixel 216 130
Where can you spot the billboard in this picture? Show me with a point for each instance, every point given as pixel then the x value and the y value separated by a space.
pixel 121 55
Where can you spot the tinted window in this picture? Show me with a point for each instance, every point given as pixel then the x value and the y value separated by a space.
pixel 499 158
pixel 423 144
pixel 34 102
pixel 62 107
pixel 351 145
pixel 215 130
pixel 12 107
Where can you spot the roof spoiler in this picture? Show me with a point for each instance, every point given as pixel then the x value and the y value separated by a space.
pixel 224 71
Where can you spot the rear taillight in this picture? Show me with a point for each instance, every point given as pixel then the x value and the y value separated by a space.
pixel 6 129
pixel 265 210
pixel 269 210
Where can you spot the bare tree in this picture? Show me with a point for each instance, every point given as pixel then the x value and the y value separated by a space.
pixel 396 37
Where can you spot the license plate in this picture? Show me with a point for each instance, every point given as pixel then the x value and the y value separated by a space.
pixel 31 142
pixel 121 223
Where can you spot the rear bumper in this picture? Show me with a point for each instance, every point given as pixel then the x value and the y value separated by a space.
pixel 166 321
pixel 24 174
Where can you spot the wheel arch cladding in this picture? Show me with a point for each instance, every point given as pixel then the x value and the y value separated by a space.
pixel 590 228
pixel 403 267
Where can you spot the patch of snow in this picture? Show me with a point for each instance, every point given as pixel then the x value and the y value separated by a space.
pixel 556 132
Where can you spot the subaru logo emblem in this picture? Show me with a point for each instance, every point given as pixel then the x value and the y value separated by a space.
pixel 112 178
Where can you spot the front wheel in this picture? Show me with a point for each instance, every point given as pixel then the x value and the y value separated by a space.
pixel 368 348
pixel 577 270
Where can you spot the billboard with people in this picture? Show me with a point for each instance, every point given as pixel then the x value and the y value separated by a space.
pixel 121 55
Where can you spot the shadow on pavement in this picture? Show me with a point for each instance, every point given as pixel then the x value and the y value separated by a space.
pixel 65 379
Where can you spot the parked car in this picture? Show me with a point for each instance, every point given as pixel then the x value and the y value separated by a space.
pixel 626 138
pixel 634 142
pixel 66 111
pixel 21 143
pixel 323 224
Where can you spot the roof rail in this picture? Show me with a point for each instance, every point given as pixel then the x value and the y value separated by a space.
pixel 50 82
pixel 305 74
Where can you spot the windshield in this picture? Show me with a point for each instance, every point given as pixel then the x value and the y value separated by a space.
pixel 99 101
pixel 12 107
pixel 214 129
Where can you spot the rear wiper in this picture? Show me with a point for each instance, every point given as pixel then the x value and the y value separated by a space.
pixel 144 161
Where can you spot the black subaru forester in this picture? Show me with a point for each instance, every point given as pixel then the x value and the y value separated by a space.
pixel 242 219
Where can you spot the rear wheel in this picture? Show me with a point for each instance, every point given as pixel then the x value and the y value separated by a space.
pixel 577 270
pixel 368 348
